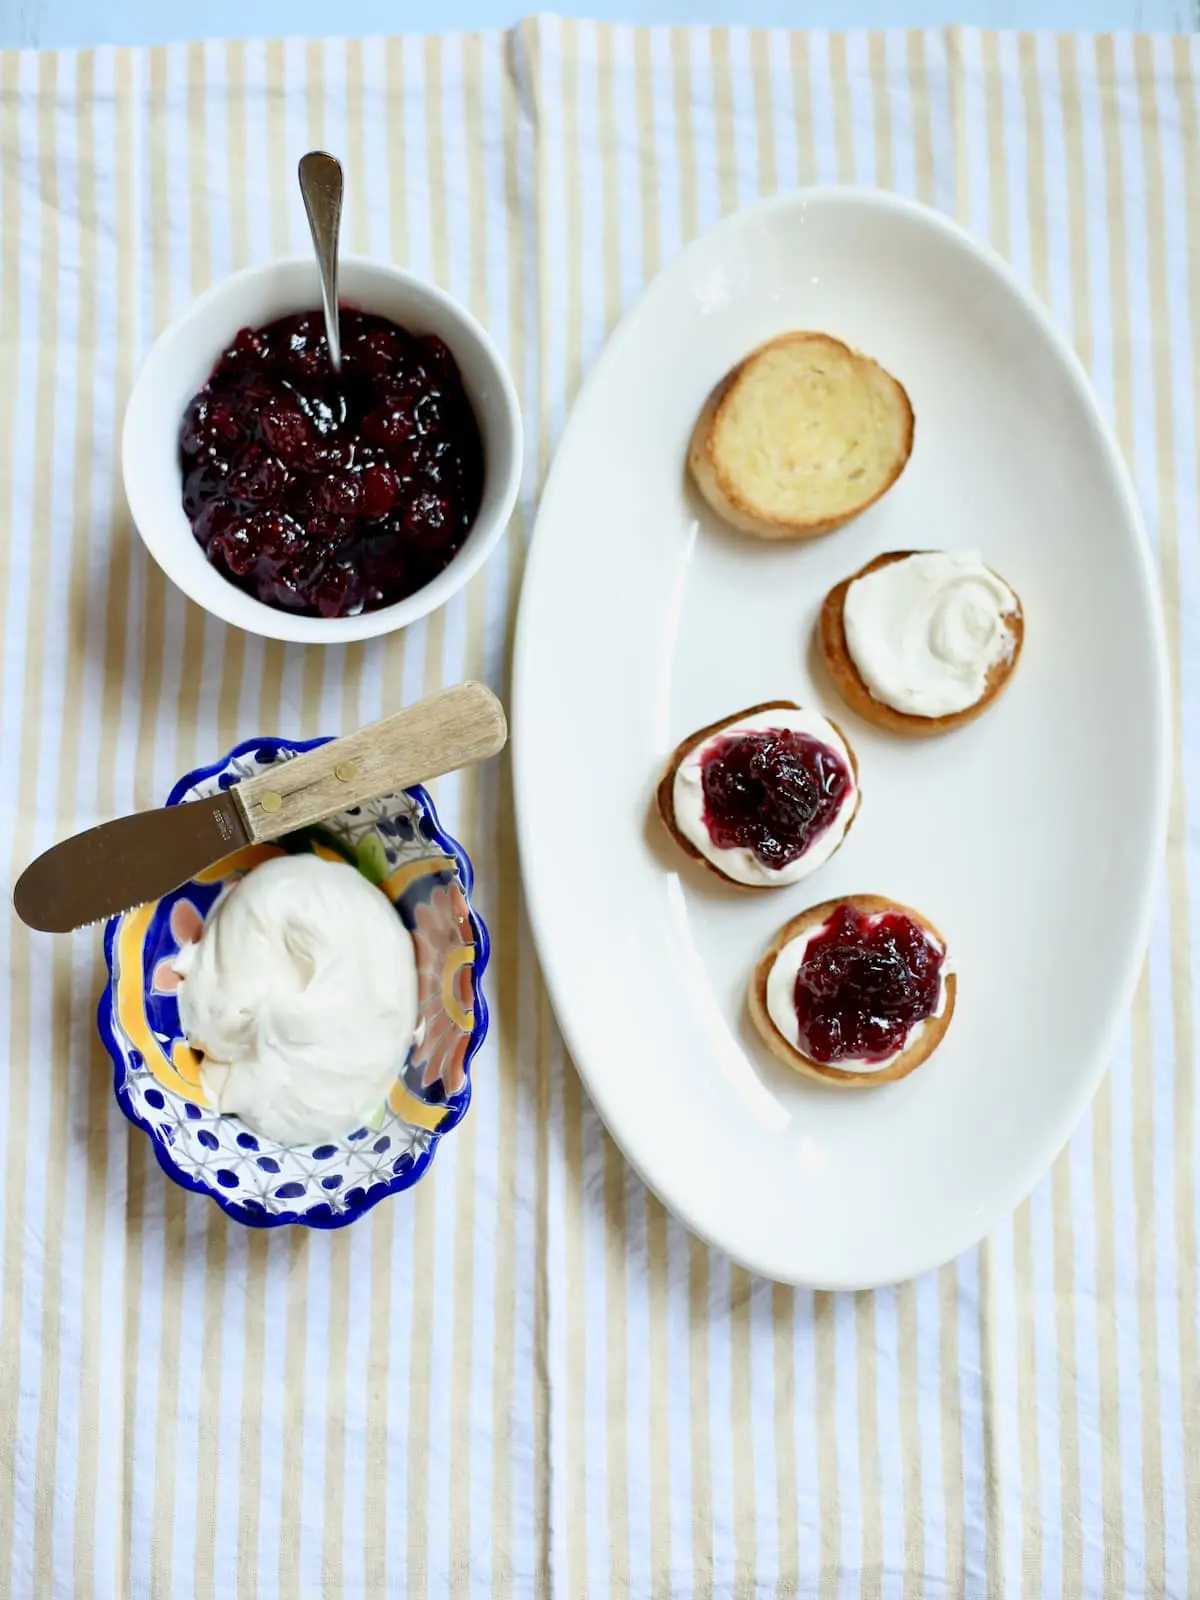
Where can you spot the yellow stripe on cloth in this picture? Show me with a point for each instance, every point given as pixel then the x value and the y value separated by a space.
pixel 524 1378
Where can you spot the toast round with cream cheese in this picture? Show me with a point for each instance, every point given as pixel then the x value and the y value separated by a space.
pixel 849 682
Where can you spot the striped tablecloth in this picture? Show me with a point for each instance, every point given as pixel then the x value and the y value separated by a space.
pixel 525 1379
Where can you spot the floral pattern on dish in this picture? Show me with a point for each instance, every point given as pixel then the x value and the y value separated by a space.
pixel 186 926
pixel 445 951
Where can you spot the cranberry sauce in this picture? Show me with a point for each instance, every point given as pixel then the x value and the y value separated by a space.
pixel 771 791
pixel 865 982
pixel 330 494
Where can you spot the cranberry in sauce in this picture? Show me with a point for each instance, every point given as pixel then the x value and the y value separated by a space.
pixel 329 494
pixel 864 984
pixel 772 792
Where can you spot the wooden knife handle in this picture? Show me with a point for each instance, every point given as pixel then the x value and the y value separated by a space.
pixel 448 731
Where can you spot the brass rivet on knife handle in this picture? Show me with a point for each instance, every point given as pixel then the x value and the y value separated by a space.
pixel 450 730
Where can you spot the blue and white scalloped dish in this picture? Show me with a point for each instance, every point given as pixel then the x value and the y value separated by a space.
pixel 398 843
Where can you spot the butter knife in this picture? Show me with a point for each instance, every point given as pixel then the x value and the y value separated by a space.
pixel 124 863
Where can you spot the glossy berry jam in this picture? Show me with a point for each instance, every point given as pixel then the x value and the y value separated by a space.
pixel 329 495
pixel 864 984
pixel 771 792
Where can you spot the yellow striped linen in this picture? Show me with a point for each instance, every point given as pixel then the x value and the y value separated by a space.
pixel 524 1378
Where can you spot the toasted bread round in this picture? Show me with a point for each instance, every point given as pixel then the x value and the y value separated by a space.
pixel 802 435
pixel 665 793
pixel 920 1050
pixel 831 629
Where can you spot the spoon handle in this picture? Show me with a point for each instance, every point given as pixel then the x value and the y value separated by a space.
pixel 321 186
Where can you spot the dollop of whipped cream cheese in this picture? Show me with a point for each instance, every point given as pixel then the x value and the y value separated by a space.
pixel 302 995
pixel 738 862
pixel 925 632
pixel 781 1000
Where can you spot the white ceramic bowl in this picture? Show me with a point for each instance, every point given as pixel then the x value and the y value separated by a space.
pixel 180 362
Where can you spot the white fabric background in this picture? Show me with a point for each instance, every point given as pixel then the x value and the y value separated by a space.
pixel 525 1379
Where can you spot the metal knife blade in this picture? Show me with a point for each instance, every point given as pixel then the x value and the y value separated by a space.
pixel 127 862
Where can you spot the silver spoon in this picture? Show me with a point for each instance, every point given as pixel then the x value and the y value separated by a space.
pixel 321 185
